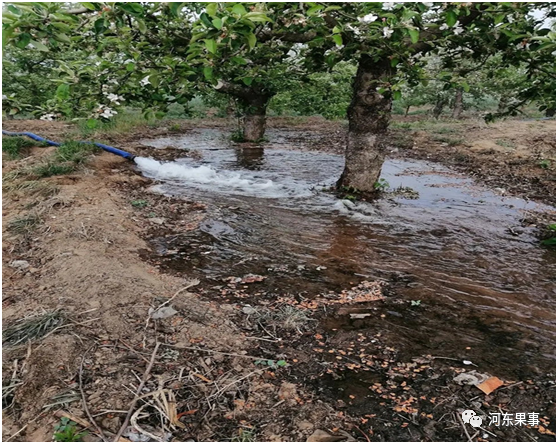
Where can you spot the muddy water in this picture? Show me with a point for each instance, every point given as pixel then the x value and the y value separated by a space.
pixel 486 289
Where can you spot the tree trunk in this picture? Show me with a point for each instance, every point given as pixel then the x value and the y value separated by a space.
pixel 253 104
pixel 438 108
pixel 407 111
pixel 369 115
pixel 458 104
pixel 254 119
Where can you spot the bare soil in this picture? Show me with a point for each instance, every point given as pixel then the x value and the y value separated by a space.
pixel 221 375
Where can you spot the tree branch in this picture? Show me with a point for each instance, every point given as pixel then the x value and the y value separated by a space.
pixel 77 11
pixel 423 45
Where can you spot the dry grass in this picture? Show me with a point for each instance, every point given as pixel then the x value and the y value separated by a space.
pixel 32 327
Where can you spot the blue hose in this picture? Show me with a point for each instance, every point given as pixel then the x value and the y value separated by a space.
pixel 108 148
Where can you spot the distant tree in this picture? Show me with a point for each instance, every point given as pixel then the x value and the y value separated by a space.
pixel 157 51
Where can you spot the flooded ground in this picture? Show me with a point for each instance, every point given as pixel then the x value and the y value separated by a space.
pixel 485 286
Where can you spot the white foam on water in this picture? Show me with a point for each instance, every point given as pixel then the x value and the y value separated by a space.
pixel 207 178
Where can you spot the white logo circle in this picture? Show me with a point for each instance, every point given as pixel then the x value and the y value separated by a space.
pixel 467 415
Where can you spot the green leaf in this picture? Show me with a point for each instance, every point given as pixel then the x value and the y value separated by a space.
pixel 414 34
pixel 239 60
pixel 394 62
pixel 337 39
pixel 89 6
pixel 206 20
pixel 499 18
pixel 131 7
pixel 247 80
pixel 396 95
pixel 217 22
pixel 14 10
pixel 23 40
pixel 208 73
pixel 6 36
pixel 91 123
pixel 154 79
pixel 99 26
pixel 451 18
pixel 281 363
pixel 211 45
pixel 314 10
pixel 62 38
pixel 239 9
pixel 257 17
pixel 251 40
pixel 270 362
pixel 175 7
pixel 130 66
pixel 63 91
pixel 211 9
pixel 141 26
pixel 39 45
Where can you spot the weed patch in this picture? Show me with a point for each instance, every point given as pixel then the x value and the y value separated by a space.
pixel 24 225
pixel 32 328
pixel 14 147
pixel 51 168
pixel 75 152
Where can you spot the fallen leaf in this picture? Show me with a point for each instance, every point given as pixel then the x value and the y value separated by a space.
pixel 490 385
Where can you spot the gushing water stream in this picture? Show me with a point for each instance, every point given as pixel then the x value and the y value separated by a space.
pixel 457 247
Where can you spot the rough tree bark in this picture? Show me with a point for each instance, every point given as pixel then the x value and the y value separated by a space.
pixel 457 104
pixel 369 115
pixel 253 102
pixel 254 117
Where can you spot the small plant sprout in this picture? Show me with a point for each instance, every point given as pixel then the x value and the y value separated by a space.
pixel 381 185
pixel 66 431
pixel 140 203
pixel 271 363
pixel 545 164
pixel 416 303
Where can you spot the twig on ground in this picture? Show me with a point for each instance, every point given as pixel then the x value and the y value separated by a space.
pixel 464 428
pixel 134 422
pixel 222 390
pixel 134 351
pixel 85 407
pixel 192 283
pixel 138 391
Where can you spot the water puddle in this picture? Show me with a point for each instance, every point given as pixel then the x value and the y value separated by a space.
pixel 483 283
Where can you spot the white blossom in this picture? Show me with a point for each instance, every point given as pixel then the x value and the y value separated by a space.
pixel 444 27
pixel 145 81
pixel 49 117
pixel 387 32
pixel 368 18
pixel 457 30
pixel 106 112
pixel 114 98
pixel 388 5
pixel 428 4
pixel 510 18
pixel 355 30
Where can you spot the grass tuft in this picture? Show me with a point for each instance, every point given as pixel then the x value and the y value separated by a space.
pixel 14 147
pixel 75 152
pixel 51 168
pixel 32 328
pixel 25 224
